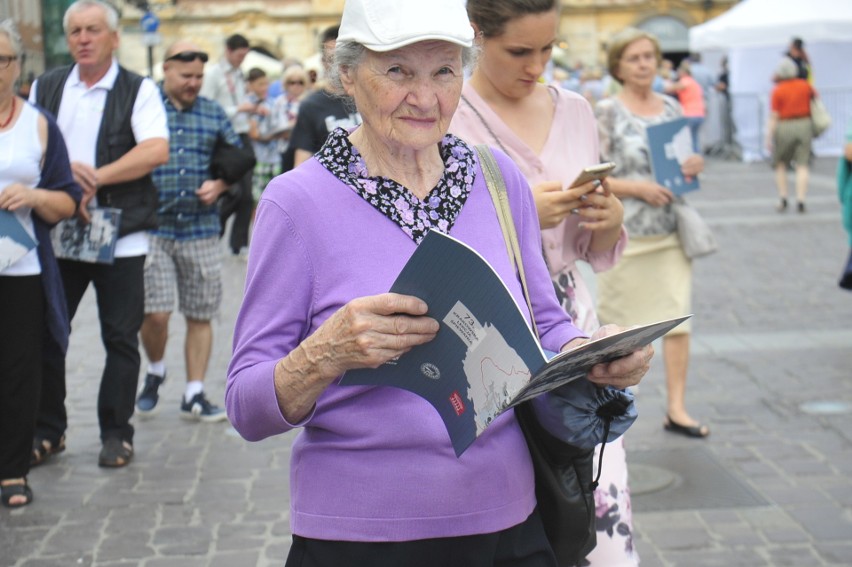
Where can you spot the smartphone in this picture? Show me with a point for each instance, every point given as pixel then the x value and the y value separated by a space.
pixel 599 172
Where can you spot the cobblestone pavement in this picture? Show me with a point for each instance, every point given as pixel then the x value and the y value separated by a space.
pixel 770 373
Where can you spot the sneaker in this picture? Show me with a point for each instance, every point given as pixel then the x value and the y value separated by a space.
pixel 199 408
pixel 146 403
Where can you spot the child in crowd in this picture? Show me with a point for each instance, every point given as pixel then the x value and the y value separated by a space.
pixel 263 132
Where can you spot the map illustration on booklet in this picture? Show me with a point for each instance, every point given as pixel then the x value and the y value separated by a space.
pixel 15 241
pixel 485 359
pixel 671 144
pixel 92 242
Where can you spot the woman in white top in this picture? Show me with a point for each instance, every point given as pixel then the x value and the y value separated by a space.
pixel 37 189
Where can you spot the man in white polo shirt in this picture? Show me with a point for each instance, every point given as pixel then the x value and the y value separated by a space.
pixel 115 127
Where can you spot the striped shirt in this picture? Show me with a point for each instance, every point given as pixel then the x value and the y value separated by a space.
pixel 192 136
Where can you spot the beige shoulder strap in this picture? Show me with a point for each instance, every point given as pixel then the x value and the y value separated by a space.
pixel 497 187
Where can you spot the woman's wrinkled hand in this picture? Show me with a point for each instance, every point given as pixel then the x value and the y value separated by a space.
pixel 369 331
pixel 625 371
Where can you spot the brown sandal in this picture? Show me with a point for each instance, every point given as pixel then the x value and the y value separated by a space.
pixel 43 449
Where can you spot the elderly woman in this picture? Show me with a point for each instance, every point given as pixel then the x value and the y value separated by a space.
pixel 552 135
pixel 789 131
pixel 653 280
pixel 286 107
pixel 374 478
pixel 37 190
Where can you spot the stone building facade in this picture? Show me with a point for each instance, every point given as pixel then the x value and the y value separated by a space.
pixel 289 28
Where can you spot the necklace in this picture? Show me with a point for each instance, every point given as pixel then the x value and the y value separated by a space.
pixel 11 113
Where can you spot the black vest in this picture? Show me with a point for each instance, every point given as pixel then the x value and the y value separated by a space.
pixel 137 199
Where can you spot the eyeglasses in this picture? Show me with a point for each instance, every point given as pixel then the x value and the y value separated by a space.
pixel 6 60
pixel 189 56
pixel 294 83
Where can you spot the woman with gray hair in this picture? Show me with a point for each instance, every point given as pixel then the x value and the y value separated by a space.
pixel 37 190
pixel 789 131
pixel 374 477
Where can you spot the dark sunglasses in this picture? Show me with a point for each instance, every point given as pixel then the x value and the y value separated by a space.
pixel 295 82
pixel 189 56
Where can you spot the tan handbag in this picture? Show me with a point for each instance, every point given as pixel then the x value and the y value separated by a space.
pixel 820 118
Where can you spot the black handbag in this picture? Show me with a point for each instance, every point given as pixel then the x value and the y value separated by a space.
pixel 564 488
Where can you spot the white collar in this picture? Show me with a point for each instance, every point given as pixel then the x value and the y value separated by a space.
pixel 106 82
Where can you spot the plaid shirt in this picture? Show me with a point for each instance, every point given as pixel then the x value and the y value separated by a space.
pixel 192 136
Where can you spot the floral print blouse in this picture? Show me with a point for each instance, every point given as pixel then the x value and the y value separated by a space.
pixel 623 141
pixel 440 208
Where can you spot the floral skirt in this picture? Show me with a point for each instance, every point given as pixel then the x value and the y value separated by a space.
pixel 612 497
pixel 614 516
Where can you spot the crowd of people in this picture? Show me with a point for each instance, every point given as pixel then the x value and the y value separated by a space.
pixel 352 167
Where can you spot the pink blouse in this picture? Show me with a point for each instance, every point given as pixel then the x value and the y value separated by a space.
pixel 571 145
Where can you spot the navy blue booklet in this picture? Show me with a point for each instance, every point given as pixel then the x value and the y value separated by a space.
pixel 485 359
pixel 671 144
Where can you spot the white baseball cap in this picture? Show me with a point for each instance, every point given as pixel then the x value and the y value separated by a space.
pixel 385 25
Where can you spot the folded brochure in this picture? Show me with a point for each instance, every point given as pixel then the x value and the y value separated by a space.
pixel 671 145
pixel 15 241
pixel 485 359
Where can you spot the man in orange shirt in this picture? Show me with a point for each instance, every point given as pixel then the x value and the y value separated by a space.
pixel 789 132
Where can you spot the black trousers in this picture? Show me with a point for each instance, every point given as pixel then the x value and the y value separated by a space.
pixel 241 207
pixel 121 302
pixel 22 331
pixel 524 545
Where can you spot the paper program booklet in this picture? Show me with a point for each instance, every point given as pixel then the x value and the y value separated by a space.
pixel 92 242
pixel 485 359
pixel 15 241
pixel 671 144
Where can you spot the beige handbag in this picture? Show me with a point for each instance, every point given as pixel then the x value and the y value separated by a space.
pixel 820 118
pixel 695 236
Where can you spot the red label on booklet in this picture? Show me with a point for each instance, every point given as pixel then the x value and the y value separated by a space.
pixel 457 402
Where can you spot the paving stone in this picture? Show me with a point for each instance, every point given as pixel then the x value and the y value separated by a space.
pixel 825 523
pixel 835 553
pixel 185 562
pixel 234 559
pixel 715 558
pixel 793 556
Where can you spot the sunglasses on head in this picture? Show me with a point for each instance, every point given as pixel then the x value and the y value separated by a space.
pixel 188 56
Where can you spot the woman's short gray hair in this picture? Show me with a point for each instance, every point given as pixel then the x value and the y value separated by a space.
pixel 786 70
pixel 110 13
pixel 349 54
pixel 10 30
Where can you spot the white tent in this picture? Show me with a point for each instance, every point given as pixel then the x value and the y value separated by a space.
pixel 754 34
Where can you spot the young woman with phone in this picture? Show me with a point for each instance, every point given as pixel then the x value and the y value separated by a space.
pixel 551 134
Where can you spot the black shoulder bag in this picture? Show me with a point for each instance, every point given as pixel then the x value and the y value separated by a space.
pixel 564 487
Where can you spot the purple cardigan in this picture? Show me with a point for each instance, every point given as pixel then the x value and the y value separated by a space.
pixel 376 464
